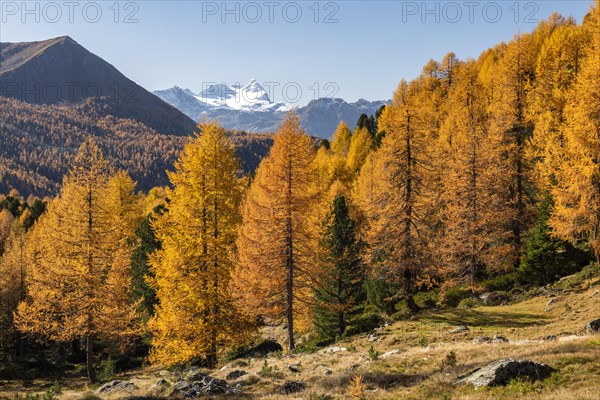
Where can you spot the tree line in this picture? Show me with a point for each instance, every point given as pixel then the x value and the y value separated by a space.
pixel 477 169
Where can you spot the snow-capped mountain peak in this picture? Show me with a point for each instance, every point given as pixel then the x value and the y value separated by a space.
pixel 248 107
pixel 249 97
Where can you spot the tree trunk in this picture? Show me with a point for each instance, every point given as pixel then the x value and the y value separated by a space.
pixel 410 303
pixel 89 358
pixel 211 356
pixel 290 303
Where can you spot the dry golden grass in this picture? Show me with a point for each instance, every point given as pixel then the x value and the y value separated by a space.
pixel 421 344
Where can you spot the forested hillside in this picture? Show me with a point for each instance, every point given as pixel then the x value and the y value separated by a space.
pixel 39 143
pixel 477 185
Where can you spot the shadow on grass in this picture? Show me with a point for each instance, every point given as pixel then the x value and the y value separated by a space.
pixel 484 319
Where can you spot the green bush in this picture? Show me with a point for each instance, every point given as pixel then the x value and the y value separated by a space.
pixel 546 258
pixel 469 302
pixel 373 354
pixel 426 299
pixel 106 370
pixel 367 321
pixel 454 295
pixel 501 282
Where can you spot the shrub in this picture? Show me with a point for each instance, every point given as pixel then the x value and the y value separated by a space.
pixel 373 354
pixel 454 295
pixel 449 361
pixel 106 370
pixel 469 302
pixel 501 282
pixel 426 299
pixel 357 388
pixel 367 321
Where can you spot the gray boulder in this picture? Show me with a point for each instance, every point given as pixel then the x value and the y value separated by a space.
pixel 202 384
pixel 593 326
pixel 492 298
pixel 180 388
pixel 500 372
pixel 482 340
pixel 499 339
pixel 116 386
pixel 459 329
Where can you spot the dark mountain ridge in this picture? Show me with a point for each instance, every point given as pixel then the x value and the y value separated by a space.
pixel 59 71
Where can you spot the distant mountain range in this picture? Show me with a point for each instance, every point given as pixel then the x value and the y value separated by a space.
pixel 249 108
pixel 54 93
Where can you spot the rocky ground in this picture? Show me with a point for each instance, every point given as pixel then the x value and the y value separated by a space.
pixel 539 348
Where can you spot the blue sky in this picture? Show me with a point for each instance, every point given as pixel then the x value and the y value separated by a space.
pixel 350 49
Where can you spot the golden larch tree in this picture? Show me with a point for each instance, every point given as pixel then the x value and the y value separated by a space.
pixel 471 205
pixel 510 129
pixel 279 234
pixel 69 289
pixel 576 193
pixel 396 198
pixel 195 316
pixel 557 67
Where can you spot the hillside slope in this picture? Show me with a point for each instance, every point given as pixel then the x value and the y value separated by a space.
pixel 60 71
pixel 39 142
pixel 408 359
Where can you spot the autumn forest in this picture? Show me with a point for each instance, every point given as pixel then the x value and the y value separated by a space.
pixel 479 173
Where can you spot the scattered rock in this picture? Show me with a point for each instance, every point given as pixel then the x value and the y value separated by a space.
pixel 294 368
pixel 551 301
pixel 324 370
pixel 180 387
pixel 459 329
pixel 500 372
pixel 116 386
pixel 389 354
pixel 292 387
pixel 202 385
pixel 334 349
pixel 593 326
pixel 549 338
pixel 160 385
pixel 353 367
pixel 499 339
pixel 235 374
pixel 372 337
pixel 547 309
pixel 196 376
pixel 482 340
pixel 492 298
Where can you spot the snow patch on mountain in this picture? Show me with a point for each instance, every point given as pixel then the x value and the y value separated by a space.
pixel 249 108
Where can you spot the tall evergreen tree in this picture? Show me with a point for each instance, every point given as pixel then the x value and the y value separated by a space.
pixel 547 258
pixel 340 292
